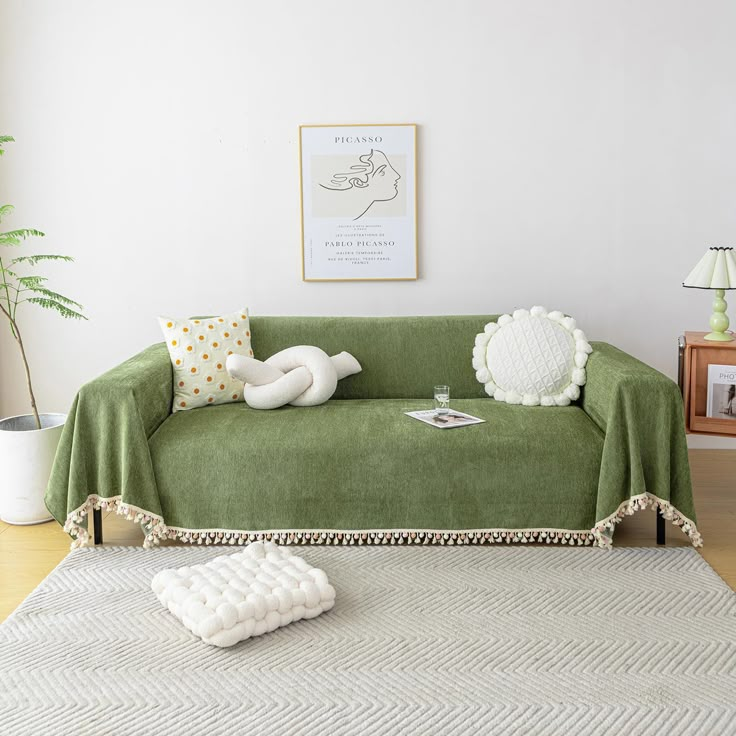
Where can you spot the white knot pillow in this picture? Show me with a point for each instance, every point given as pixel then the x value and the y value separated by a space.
pixel 532 357
pixel 302 376
pixel 252 592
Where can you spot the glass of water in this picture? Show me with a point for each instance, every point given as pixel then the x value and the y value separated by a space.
pixel 441 399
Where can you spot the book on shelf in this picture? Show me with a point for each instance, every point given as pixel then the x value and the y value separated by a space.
pixel 444 421
pixel 721 401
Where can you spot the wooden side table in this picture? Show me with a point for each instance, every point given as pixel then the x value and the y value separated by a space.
pixel 695 355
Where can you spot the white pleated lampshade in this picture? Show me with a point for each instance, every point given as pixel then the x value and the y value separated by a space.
pixel 715 270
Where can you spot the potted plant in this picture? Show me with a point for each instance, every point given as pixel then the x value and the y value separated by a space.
pixel 27 442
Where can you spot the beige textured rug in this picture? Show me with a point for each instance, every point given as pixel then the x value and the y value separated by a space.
pixel 425 640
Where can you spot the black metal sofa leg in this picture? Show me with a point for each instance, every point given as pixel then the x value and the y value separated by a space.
pixel 661 535
pixel 97 519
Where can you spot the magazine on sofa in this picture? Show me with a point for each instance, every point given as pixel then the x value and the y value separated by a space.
pixel 444 421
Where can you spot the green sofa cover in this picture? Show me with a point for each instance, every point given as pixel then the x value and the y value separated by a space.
pixel 356 469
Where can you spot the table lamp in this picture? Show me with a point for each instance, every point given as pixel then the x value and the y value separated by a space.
pixel 715 270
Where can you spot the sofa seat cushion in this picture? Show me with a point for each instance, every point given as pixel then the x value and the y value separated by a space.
pixel 362 464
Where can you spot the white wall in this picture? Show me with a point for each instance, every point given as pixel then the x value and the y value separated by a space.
pixel 579 154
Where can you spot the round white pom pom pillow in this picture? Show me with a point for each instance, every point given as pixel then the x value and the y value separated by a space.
pixel 532 357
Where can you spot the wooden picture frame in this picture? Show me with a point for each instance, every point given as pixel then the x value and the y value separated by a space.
pixel 358 186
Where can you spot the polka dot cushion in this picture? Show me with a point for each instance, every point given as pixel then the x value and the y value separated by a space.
pixel 199 350
pixel 250 593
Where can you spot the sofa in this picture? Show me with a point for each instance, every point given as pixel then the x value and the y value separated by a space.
pixel 356 469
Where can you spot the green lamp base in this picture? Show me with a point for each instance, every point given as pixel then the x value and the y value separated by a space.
pixel 719 319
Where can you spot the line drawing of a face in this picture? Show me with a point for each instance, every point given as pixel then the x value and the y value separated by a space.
pixel 372 180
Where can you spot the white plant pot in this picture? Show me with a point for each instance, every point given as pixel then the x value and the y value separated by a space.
pixel 26 457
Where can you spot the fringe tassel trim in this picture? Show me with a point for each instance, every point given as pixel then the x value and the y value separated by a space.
pixel 603 530
pixel 156 530
pixel 153 525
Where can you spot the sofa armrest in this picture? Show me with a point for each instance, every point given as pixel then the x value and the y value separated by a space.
pixel 103 456
pixel 644 460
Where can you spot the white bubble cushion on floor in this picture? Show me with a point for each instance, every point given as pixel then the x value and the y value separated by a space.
pixel 249 593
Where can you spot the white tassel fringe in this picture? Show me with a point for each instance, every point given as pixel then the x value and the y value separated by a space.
pixel 155 529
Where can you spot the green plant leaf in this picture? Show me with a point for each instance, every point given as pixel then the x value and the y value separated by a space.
pixel 43 291
pixel 5 210
pixel 62 309
pixel 31 281
pixel 13 237
pixel 5 139
pixel 33 260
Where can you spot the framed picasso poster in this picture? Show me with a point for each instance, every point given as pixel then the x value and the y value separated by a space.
pixel 359 202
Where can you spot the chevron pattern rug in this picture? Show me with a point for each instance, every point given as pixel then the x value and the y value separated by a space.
pixel 432 640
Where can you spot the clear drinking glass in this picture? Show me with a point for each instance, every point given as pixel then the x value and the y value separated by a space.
pixel 441 399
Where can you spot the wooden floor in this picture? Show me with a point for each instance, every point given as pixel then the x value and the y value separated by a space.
pixel 29 553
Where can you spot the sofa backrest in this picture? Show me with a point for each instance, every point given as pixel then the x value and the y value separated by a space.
pixel 402 357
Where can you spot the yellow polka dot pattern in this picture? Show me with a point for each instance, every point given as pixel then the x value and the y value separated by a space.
pixel 198 350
